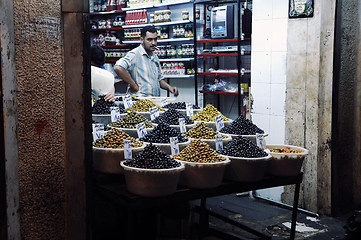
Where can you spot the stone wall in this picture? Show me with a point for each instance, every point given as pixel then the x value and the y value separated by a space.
pixel 41 118
pixel 309 102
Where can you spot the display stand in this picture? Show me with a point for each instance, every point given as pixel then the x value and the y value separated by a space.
pixel 116 192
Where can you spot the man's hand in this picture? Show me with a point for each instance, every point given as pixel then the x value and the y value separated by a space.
pixel 110 97
pixel 133 88
pixel 174 90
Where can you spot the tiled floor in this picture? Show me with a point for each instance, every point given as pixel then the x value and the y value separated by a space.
pixel 271 220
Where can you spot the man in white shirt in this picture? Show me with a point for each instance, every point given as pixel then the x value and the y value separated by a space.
pixel 102 81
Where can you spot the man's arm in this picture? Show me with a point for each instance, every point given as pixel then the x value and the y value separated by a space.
pixel 163 84
pixel 125 76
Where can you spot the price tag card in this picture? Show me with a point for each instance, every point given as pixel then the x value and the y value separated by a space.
pixel 154 112
pixel 174 145
pixel 127 149
pixel 219 122
pixel 127 101
pixel 98 127
pixel 182 125
pixel 98 134
pixel 261 142
pixel 219 142
pixel 141 130
pixel 163 102
pixel 98 130
pixel 189 109
pixel 114 114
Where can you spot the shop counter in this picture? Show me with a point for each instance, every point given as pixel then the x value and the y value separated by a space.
pixel 116 192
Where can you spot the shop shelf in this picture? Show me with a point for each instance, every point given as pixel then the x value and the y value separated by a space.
pixel 219 92
pixel 106 29
pixel 222 54
pixel 161 40
pixel 159 24
pixel 115 46
pixel 176 59
pixel 221 40
pixel 106 13
pixel 178 76
pixel 157 5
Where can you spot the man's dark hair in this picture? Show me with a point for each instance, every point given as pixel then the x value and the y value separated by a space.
pixel 149 28
pixel 97 55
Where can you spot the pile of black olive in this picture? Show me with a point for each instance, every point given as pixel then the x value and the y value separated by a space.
pixel 103 107
pixel 152 158
pixel 179 105
pixel 242 126
pixel 171 116
pixel 161 134
pixel 242 147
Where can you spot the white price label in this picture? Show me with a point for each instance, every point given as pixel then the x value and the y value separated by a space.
pixel 98 134
pixel 163 102
pixel 98 131
pixel 174 145
pixel 98 127
pixel 127 101
pixel 154 112
pixel 114 114
pixel 261 142
pixel 219 142
pixel 189 109
pixel 219 122
pixel 141 130
pixel 127 149
pixel 182 125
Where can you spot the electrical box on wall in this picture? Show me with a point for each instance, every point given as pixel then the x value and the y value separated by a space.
pixel 222 22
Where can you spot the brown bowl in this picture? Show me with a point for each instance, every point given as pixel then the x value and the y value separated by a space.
pixel 151 182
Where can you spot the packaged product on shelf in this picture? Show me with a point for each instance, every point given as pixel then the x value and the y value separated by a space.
pixel 111 5
pixel 167 16
pixel 121 4
pixel 151 18
pixel 185 15
pixel 179 51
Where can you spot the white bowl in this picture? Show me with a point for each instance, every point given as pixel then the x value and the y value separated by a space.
pixel 166 147
pixel 104 118
pixel 203 175
pixel 147 114
pixel 246 169
pixel 184 111
pixel 212 142
pixel 132 131
pixel 252 138
pixel 214 126
pixel 188 126
pixel 106 160
pixel 285 164
pixel 151 182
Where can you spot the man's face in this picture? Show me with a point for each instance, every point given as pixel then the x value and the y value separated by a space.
pixel 149 41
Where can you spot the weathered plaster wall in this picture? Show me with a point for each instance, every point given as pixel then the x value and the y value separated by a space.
pixel 41 121
pixel 308 101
